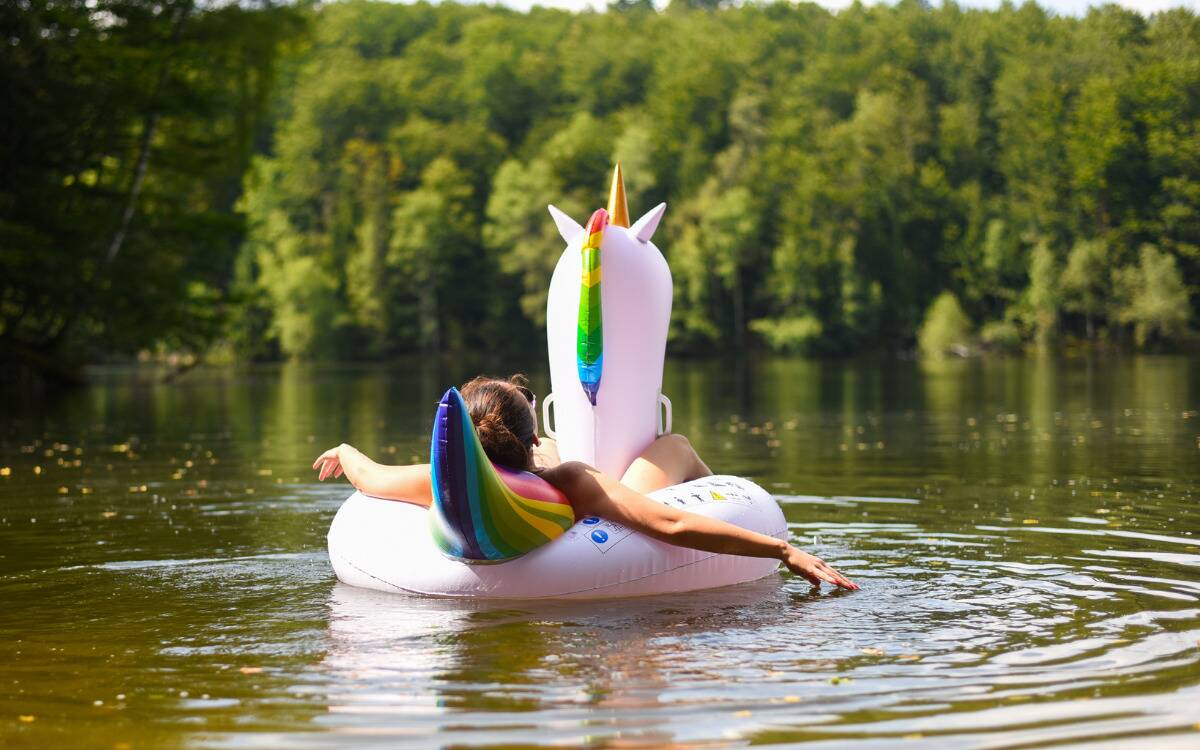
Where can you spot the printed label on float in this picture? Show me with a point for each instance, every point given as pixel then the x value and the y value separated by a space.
pixel 604 535
pixel 713 491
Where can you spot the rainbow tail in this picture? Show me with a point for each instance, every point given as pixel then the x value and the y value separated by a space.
pixel 482 512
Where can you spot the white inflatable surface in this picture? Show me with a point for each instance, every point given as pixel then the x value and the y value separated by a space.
pixel 386 545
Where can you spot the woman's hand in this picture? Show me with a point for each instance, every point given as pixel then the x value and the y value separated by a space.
pixel 815 569
pixel 329 463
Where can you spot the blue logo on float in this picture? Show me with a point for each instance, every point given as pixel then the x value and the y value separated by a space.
pixel 591 520
pixel 599 536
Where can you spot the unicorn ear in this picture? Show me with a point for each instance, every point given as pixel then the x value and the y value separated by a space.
pixel 645 226
pixel 568 228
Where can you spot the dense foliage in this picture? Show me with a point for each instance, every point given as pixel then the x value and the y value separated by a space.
pixel 829 176
pixel 126 128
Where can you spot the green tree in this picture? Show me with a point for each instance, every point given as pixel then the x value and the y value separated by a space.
pixel 1152 298
pixel 946 330
pixel 128 126
pixel 1043 296
pixel 1085 281
pixel 433 235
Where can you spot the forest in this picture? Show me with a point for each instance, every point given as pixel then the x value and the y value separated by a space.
pixel 359 180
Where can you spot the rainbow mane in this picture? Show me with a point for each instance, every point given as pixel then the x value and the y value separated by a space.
pixel 482 512
pixel 589 347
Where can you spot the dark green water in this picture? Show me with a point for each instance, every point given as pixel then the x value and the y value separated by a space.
pixel 1026 533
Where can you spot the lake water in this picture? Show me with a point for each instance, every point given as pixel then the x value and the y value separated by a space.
pixel 1026 534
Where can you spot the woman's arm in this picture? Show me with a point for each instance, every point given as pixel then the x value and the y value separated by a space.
pixel 595 493
pixel 410 484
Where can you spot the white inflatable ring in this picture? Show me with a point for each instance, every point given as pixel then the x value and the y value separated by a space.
pixel 386 545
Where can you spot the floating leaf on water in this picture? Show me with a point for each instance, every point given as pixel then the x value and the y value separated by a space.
pixel 791 699
pixel 37 470
pixel 872 651
pixel 1030 521
pixel 264 472
pixel 909 657
pixel 914 736
pixel 109 514
pixel 743 714
pixel 25 718
pixel 63 491
pixel 840 680
pixel 250 670
pixel 5 471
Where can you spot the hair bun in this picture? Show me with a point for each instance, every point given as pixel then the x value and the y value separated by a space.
pixel 501 416
pixel 492 425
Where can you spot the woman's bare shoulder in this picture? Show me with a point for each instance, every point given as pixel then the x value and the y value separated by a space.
pixel 574 479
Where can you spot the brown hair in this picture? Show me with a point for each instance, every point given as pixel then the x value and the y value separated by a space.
pixel 503 418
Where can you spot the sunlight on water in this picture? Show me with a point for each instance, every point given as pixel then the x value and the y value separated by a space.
pixel 1025 533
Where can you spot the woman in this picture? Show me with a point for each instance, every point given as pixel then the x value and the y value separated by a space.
pixel 504 415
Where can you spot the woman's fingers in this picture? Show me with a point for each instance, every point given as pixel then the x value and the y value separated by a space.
pixel 328 463
pixel 838 579
pixel 328 466
pixel 816 570
pixel 327 455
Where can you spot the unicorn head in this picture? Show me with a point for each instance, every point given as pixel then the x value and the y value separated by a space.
pixel 607 317
pixel 591 241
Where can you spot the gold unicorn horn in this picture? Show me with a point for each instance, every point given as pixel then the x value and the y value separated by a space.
pixel 618 209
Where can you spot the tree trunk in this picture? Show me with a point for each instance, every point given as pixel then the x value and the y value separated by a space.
pixel 427 311
pixel 145 143
pixel 149 129
pixel 739 311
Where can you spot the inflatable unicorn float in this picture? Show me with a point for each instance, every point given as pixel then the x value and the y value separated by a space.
pixel 493 532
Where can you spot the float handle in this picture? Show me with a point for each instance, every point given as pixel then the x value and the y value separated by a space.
pixel 550 433
pixel 664 425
